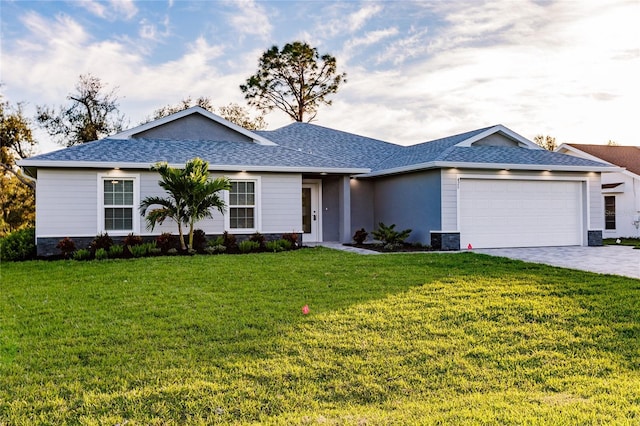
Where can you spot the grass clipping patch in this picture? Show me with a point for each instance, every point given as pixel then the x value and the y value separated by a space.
pixel 407 339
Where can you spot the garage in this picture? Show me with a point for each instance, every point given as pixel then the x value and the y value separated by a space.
pixel 520 213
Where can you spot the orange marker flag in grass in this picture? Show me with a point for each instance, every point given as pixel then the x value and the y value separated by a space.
pixel 305 309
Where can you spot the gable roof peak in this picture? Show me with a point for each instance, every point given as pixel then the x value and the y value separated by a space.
pixel 501 129
pixel 256 138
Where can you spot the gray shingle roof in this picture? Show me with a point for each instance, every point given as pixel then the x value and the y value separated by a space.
pixel 304 145
pixel 151 151
pixel 359 151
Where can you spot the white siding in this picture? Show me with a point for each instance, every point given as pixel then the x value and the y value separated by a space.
pixel 627 204
pixel 149 188
pixel 66 203
pixel 281 203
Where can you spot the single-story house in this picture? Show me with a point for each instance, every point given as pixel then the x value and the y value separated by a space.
pixel 489 187
pixel 620 189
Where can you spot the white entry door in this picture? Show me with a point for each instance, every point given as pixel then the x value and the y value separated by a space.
pixel 311 212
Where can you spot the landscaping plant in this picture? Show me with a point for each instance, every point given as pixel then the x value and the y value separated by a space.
pixel 389 237
pixel 18 245
pixel 191 195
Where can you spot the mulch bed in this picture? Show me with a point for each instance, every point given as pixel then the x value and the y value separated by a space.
pixel 406 247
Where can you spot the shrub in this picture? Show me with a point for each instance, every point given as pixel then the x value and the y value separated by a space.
pixel 101 254
pixel 115 251
pixel 132 240
pixel 257 238
pixel 143 249
pixel 82 254
pixel 166 242
pixel 360 236
pixel 213 249
pixel 292 238
pixel 389 237
pixel 229 241
pixel 101 241
pixel 66 246
pixel 19 245
pixel 278 245
pixel 199 240
pixel 248 246
pixel 219 241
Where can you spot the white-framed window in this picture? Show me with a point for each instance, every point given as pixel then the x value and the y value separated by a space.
pixel 118 199
pixel 243 205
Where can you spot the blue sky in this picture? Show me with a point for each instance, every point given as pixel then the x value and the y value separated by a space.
pixel 417 70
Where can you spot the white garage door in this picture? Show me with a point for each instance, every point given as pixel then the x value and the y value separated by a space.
pixel 519 213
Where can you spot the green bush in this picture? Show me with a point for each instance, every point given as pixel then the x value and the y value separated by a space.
pixel 144 249
pixel 101 254
pixel 389 237
pixel 115 251
pixel 19 245
pixel 278 245
pixel 82 254
pixel 213 249
pixel 248 246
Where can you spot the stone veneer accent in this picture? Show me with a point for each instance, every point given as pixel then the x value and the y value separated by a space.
pixel 594 238
pixel 445 241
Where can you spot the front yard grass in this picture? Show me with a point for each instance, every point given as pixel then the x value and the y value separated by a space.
pixel 635 242
pixel 391 339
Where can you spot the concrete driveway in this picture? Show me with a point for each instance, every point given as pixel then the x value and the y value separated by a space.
pixel 617 260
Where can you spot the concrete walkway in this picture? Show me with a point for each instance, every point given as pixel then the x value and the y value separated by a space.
pixel 617 260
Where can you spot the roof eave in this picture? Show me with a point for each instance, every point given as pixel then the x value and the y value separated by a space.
pixel 493 166
pixel 212 167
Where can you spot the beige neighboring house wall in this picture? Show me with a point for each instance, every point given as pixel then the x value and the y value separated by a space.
pixel 623 186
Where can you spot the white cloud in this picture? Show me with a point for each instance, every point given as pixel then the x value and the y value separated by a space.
pixel 251 19
pixel 150 31
pixel 349 24
pixel 369 38
pixel 114 9
pixel 412 46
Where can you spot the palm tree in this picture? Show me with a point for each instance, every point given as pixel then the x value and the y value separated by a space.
pixel 191 196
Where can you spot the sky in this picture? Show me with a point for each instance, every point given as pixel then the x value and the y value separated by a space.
pixel 416 70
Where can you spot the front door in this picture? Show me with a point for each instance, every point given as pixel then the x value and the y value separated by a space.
pixel 311 212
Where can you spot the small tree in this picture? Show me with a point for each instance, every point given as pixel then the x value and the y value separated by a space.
pixel 191 196
pixel 295 80
pixel 546 142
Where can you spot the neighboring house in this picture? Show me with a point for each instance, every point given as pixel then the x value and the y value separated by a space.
pixel 489 187
pixel 620 189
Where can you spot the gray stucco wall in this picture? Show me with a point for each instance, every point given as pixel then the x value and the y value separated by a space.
pixel 362 192
pixel 410 201
pixel 194 127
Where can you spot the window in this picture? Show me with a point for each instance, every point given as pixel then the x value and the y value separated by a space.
pixel 118 198
pixel 242 204
pixel 610 212
pixel 118 205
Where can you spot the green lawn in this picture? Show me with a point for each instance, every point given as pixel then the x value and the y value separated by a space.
pixel 391 339
pixel 623 241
